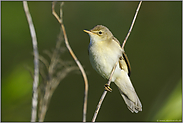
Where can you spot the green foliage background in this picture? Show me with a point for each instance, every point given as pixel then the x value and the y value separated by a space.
pixel 153 48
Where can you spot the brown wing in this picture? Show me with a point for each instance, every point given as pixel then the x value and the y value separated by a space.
pixel 125 64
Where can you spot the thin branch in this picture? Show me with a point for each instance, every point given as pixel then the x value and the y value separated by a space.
pixel 57 71
pixel 49 90
pixel 124 42
pixel 104 94
pixel 47 53
pixel 112 72
pixel 36 63
pixel 54 13
pixel 44 61
pixel 60 20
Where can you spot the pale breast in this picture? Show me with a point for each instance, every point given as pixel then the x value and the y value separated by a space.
pixel 103 57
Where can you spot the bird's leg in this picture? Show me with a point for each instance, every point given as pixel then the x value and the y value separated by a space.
pixel 107 88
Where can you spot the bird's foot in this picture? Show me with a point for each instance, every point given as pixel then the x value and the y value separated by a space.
pixel 107 88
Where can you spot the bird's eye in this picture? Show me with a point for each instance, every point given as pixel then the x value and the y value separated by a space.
pixel 100 32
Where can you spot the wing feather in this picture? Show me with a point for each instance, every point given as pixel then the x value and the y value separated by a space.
pixel 125 64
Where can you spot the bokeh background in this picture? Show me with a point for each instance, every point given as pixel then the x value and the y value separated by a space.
pixel 154 49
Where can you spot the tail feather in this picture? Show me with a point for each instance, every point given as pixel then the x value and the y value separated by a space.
pixel 132 106
pixel 128 92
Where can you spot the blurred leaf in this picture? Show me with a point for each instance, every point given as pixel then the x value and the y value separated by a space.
pixel 172 109
pixel 16 95
pixel 16 85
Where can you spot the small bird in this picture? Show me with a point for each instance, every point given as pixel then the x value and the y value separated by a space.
pixel 104 52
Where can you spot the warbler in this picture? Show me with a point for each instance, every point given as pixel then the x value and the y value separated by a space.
pixel 104 52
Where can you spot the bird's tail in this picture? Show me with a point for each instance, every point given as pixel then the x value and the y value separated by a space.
pixel 132 106
pixel 129 95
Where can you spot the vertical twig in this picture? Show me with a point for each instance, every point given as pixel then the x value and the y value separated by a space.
pixel 124 42
pixel 36 62
pixel 112 72
pixel 60 20
pixel 57 71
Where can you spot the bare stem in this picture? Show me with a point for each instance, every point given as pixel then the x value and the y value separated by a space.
pixel 36 63
pixel 124 42
pixel 104 93
pixel 49 90
pixel 60 20
pixel 112 72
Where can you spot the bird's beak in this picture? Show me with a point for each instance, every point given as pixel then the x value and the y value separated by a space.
pixel 89 32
